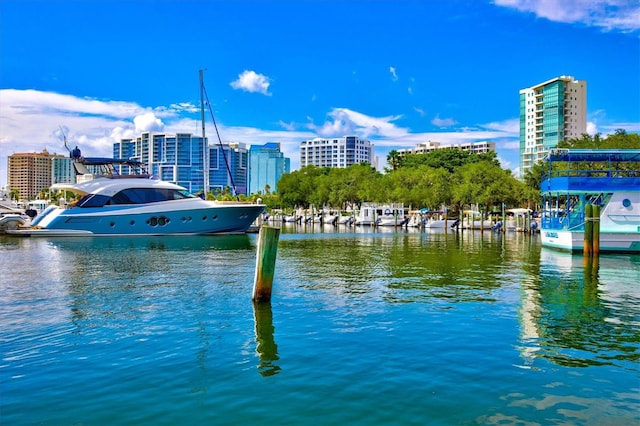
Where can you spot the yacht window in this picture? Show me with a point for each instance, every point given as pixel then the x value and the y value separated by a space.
pixel 93 200
pixel 148 195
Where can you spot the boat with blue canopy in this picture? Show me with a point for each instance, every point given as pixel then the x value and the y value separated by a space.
pixel 576 178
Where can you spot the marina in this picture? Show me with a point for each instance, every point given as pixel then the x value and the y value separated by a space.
pixel 367 326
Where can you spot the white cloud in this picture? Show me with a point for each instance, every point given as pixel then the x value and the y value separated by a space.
pixel 148 122
pixel 511 126
pixel 287 126
pixel 394 76
pixel 344 121
pixel 250 81
pixel 610 15
pixel 443 122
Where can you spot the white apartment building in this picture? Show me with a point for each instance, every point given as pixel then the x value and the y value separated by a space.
pixel 550 112
pixel 474 147
pixel 340 152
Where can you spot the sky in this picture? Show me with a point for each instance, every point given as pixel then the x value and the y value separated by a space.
pixel 397 72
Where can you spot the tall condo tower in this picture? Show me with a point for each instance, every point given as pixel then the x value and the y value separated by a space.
pixel 549 113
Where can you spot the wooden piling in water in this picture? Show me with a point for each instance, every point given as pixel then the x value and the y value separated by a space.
pixel 595 219
pixel 265 263
pixel 588 230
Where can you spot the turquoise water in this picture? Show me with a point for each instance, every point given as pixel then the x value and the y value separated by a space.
pixel 364 328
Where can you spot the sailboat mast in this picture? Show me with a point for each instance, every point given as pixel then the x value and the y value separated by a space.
pixel 205 145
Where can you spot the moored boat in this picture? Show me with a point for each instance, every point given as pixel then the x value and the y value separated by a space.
pixel 12 217
pixel 473 219
pixel 135 204
pixel 574 179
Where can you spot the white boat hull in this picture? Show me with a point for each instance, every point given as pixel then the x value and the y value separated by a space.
pixel 574 241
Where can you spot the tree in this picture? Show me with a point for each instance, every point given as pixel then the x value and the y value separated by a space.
pixel 619 140
pixel 533 176
pixel 393 159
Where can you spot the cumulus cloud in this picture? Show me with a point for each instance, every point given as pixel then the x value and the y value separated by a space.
pixel 610 15
pixel 250 81
pixel 148 122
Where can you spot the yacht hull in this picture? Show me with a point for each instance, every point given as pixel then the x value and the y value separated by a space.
pixel 170 218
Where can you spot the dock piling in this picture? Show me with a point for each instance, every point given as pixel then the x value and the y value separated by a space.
pixel 588 230
pixel 265 263
pixel 595 218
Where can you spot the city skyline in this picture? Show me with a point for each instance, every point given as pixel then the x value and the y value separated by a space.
pixel 285 71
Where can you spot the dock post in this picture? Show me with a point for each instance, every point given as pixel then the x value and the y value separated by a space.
pixel 595 219
pixel 588 230
pixel 265 263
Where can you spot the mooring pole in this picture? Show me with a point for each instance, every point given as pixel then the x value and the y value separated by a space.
pixel 265 263
pixel 595 219
pixel 588 230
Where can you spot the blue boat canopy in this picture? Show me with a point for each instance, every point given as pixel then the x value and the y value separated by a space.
pixel 596 155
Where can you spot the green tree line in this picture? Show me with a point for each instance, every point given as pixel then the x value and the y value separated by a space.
pixel 444 177
pixel 450 178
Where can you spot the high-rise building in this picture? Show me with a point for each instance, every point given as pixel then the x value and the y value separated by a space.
pixel 179 159
pixel 228 167
pixel 173 158
pixel 549 113
pixel 267 164
pixel 30 173
pixel 340 152
pixel 62 170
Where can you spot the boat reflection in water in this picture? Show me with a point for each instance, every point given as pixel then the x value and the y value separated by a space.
pixel 574 319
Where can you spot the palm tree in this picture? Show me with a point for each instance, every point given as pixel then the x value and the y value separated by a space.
pixel 393 158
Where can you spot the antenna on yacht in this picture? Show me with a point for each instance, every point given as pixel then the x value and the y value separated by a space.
pixel 64 138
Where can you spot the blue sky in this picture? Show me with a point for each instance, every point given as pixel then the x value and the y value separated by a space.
pixel 396 72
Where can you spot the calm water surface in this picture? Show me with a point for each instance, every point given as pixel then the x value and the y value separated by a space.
pixel 365 328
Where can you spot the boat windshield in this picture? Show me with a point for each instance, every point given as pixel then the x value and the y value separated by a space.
pixel 135 196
